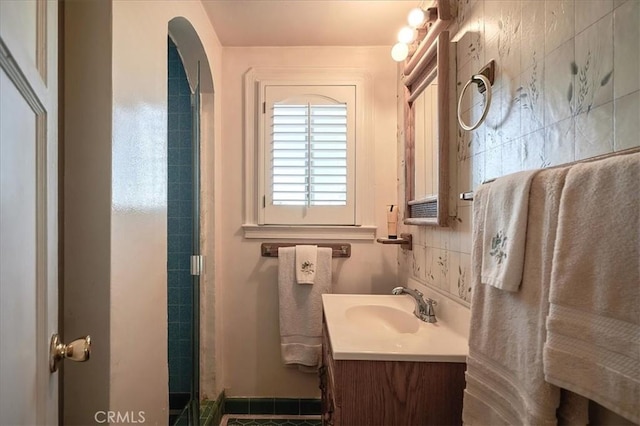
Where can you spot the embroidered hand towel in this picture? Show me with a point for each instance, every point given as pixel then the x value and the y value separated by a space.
pixel 306 264
pixel 505 230
pixel 505 378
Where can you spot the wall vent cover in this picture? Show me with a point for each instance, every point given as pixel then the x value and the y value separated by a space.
pixel 426 209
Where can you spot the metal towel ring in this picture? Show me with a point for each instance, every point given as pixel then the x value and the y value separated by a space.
pixel 477 78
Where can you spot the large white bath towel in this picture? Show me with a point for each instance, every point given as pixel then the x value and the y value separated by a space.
pixel 505 379
pixel 301 308
pixel 593 340
pixel 505 230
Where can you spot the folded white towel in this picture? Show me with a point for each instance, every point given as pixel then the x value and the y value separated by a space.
pixel 301 308
pixel 505 379
pixel 593 328
pixel 306 264
pixel 505 230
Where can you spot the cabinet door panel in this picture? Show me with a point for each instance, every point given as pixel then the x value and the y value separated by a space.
pixel 390 392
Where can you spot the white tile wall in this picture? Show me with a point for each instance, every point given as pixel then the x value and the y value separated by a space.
pixel 559 84
pixel 568 88
pixel 626 49
pixel 559 23
pixel 532 26
pixel 589 11
pixel 626 121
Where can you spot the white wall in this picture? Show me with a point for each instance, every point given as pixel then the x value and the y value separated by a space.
pixel 86 209
pixel 139 292
pixel 131 353
pixel 246 353
pixel 250 333
pixel 129 174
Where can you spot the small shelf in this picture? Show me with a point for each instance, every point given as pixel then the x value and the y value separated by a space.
pixel 405 241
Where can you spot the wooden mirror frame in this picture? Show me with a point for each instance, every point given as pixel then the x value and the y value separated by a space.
pixel 430 62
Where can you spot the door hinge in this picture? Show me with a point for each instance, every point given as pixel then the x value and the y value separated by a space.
pixel 264 201
pixel 264 107
pixel 197 264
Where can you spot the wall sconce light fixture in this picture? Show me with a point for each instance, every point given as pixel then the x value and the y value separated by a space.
pixel 417 19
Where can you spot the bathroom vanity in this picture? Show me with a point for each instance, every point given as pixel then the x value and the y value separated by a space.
pixel 383 366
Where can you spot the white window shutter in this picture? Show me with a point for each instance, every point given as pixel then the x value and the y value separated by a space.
pixel 310 155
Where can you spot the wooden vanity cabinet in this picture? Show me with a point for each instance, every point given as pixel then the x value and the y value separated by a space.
pixel 403 393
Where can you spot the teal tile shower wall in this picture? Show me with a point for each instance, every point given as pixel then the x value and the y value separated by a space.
pixel 179 225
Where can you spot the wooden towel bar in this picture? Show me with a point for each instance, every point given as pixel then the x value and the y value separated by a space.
pixel 339 249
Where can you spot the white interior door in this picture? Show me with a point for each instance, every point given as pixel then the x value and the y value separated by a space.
pixel 28 213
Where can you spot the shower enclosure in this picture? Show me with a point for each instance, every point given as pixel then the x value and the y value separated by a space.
pixel 184 262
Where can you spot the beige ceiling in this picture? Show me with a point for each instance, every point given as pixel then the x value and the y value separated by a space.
pixel 308 22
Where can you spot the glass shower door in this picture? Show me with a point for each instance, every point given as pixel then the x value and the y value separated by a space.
pixel 183 240
pixel 196 258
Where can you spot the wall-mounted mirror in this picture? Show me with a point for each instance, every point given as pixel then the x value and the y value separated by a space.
pixel 428 108
pixel 426 149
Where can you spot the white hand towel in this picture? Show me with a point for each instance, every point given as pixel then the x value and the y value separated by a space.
pixel 505 230
pixel 505 378
pixel 306 260
pixel 301 308
pixel 593 328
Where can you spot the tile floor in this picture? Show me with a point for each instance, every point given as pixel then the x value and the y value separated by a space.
pixel 209 415
pixel 271 420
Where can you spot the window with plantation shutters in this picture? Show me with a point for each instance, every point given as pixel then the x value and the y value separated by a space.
pixel 309 154
pixel 309 142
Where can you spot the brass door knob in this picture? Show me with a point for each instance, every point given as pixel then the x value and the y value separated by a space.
pixel 79 350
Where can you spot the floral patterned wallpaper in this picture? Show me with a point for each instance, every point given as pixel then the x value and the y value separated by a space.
pixel 567 88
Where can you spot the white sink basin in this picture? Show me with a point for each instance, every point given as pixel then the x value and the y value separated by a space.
pixel 379 318
pixel 384 328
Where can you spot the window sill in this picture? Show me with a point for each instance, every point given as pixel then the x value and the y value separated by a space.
pixel 310 232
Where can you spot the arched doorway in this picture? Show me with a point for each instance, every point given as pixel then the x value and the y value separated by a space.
pixel 190 94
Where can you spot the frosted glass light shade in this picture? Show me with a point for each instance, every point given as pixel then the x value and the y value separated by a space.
pixel 399 52
pixel 416 17
pixel 406 35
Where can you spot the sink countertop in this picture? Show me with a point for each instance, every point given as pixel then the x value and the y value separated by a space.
pixel 381 328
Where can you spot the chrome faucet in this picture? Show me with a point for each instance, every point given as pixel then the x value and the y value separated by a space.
pixel 424 307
